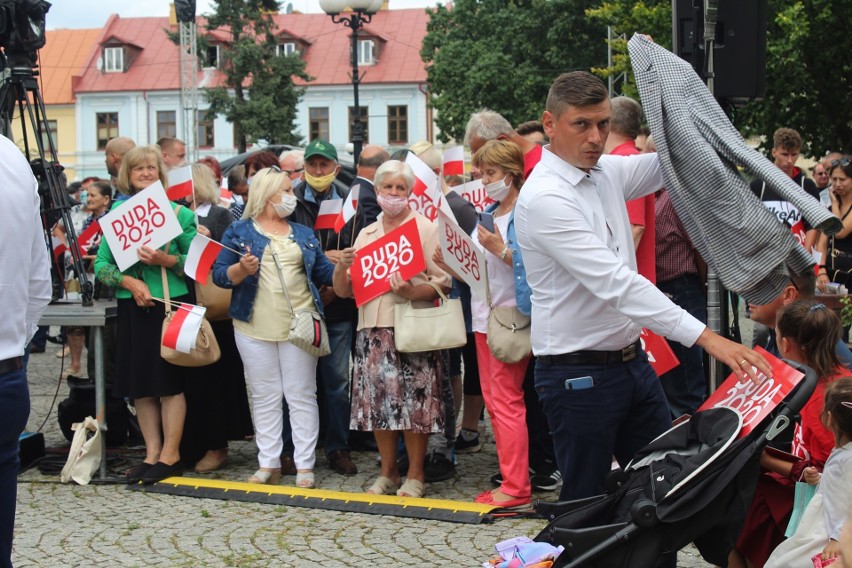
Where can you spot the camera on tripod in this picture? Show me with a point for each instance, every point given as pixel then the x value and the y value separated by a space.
pixel 22 26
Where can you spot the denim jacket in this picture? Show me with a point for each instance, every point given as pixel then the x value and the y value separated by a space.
pixel 241 236
pixel 523 294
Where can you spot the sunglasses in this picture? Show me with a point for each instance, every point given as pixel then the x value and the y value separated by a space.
pixel 842 162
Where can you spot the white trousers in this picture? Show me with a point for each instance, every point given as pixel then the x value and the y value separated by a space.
pixel 278 370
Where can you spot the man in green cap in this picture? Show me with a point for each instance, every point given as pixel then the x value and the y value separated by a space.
pixel 320 185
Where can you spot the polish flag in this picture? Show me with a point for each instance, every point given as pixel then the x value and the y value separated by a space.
pixel 200 258
pixel 180 183
pixel 439 200
pixel 182 331
pixel 454 161
pixel 424 177
pixel 350 204
pixel 329 211
pixel 226 195
pixel 59 247
pixel 88 237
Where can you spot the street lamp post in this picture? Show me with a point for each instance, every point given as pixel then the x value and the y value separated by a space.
pixel 361 13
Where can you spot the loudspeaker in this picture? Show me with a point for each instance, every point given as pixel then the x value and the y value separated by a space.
pixel 739 51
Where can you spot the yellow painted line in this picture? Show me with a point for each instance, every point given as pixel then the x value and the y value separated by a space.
pixel 325 494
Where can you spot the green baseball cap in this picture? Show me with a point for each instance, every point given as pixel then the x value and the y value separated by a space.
pixel 319 147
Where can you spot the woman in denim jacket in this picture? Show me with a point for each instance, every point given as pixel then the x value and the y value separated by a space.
pixel 273 249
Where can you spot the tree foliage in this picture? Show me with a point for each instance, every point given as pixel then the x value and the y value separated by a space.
pixel 504 54
pixel 258 95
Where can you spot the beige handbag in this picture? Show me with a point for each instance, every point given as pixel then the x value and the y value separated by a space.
pixel 84 457
pixel 206 350
pixel 429 329
pixel 217 300
pixel 509 334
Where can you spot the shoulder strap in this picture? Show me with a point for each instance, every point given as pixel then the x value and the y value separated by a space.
pixel 166 295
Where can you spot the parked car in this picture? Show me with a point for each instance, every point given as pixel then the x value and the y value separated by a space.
pixel 345 177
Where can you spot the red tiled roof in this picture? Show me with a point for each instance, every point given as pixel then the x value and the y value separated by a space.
pixel 327 58
pixel 63 57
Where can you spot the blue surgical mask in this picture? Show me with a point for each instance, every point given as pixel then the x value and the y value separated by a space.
pixel 84 196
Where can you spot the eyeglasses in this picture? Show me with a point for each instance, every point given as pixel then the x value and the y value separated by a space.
pixel 842 162
pixel 275 169
pixel 291 172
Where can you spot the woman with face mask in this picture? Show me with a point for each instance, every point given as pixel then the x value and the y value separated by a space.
pixel 273 253
pixel 395 392
pixel 502 165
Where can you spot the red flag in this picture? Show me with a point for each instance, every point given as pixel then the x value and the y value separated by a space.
pixel 88 238
pixel 454 161
pixel 180 183
pixel 329 211
pixel 424 177
pixel 200 258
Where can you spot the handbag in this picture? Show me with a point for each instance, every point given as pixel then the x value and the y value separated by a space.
pixel 508 334
pixel 429 329
pixel 217 300
pixel 206 350
pixel 84 457
pixel 307 327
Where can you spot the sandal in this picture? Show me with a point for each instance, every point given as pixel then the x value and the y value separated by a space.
pixel 382 486
pixel 412 488
pixel 266 476
pixel 305 479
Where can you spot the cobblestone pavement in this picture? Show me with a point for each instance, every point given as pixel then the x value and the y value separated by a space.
pixel 106 525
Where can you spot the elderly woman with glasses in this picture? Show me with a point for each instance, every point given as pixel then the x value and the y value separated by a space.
pixel 836 263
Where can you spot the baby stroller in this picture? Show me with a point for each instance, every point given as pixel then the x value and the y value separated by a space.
pixel 693 483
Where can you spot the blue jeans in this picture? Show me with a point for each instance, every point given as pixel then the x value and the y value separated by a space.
pixel 685 385
pixel 620 414
pixel 333 390
pixel 14 410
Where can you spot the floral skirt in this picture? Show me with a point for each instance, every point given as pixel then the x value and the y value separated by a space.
pixel 393 390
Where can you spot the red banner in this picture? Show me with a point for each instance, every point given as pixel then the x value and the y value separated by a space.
pixel 754 402
pixel 398 251
pixel 659 352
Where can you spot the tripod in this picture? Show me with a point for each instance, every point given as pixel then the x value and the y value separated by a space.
pixel 19 88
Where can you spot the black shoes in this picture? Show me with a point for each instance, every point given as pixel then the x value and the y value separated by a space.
pixel 550 481
pixel 135 473
pixel 438 468
pixel 160 471
pixel 464 446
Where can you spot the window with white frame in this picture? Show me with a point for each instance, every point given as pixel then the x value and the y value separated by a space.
pixel 113 59
pixel 287 48
pixel 366 52
pixel 212 58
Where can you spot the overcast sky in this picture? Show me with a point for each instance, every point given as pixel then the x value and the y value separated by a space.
pixel 94 13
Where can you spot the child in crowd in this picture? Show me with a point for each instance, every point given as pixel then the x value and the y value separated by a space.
pixel 807 333
pixel 818 533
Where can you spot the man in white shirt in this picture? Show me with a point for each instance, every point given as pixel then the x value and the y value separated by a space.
pixel 600 394
pixel 25 291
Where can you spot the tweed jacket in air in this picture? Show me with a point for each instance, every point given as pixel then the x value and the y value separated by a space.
pixel 699 151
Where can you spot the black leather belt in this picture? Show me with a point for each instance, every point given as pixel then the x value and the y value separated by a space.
pixel 9 365
pixel 592 357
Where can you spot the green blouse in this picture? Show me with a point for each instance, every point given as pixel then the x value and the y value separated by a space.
pixel 107 271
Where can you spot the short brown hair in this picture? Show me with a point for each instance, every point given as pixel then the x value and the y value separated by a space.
pixel 787 139
pixel 135 157
pixel 503 154
pixel 577 88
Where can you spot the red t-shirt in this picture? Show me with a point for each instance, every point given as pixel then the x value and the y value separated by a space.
pixel 812 440
pixel 642 212
pixel 531 158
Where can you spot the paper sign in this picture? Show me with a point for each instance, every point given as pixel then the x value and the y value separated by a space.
pixel 423 204
pixel 474 192
pixel 659 352
pixel 398 251
pixel 755 402
pixel 145 219
pixel 462 256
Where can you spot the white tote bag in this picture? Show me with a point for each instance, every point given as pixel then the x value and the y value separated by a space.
pixel 84 458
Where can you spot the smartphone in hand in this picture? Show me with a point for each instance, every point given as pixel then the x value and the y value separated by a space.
pixel 487 221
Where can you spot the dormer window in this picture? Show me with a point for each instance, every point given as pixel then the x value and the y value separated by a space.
pixel 287 48
pixel 366 52
pixel 212 58
pixel 114 60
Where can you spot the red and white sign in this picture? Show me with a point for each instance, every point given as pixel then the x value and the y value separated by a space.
pixel 462 256
pixel 454 161
pixel 182 331
pixel 755 402
pixel 180 183
pixel 474 192
pixel 89 238
pixel 659 352
pixel 350 205
pixel 146 219
pixel 329 211
pixel 398 251
pixel 200 258
pixel 424 177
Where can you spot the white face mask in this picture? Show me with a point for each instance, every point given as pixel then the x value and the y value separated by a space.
pixel 287 205
pixel 497 190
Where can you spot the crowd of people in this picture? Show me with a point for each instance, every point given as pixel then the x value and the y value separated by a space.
pixel 582 242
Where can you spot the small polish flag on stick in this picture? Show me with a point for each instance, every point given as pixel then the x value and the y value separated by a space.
pixel 87 238
pixel 329 211
pixel 454 161
pixel 182 331
pixel 424 177
pixel 350 204
pixel 200 258
pixel 59 247
pixel 180 183
pixel 439 200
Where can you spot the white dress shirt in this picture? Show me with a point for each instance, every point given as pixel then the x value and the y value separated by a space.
pixel 575 238
pixel 25 288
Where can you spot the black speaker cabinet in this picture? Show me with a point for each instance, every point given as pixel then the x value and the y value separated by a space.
pixel 739 53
